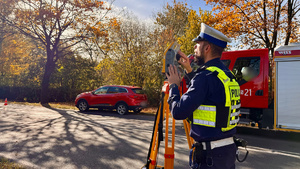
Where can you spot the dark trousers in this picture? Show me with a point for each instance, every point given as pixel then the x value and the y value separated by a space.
pixel 222 158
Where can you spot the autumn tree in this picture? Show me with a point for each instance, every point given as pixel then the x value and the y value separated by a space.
pixel 75 74
pixel 173 19
pixel 5 30
pixel 97 45
pixel 130 51
pixel 257 23
pixel 131 57
pixel 57 24
pixel 293 23
pixel 15 58
pixel 192 29
pixel 170 24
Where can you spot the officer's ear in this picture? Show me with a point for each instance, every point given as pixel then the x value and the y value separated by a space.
pixel 207 47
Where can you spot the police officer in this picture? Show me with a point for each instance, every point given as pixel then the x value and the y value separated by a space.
pixel 211 102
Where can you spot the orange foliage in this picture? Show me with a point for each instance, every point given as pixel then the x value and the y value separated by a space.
pixel 256 23
pixel 57 24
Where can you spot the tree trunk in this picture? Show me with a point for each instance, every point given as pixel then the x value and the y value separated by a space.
pixel 49 68
pixel 1 41
pixel 289 22
pixel 271 75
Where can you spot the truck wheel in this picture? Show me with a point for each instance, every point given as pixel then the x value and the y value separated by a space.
pixel 83 106
pixel 122 108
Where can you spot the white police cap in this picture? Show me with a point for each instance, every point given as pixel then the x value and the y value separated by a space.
pixel 212 35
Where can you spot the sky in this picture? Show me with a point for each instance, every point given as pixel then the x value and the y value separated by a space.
pixel 144 9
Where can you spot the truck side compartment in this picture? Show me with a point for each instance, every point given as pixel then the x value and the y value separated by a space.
pixel 286 90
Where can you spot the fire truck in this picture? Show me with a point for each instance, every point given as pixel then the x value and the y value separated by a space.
pixel 270 98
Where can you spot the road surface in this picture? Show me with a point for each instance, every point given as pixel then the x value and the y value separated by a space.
pixel 39 137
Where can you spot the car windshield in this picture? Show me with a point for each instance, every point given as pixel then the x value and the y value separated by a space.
pixel 138 91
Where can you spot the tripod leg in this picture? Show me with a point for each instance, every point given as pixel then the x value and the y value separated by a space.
pixel 157 136
pixel 170 125
pixel 187 129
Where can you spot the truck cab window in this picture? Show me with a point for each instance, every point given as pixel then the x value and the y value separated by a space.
pixel 246 68
pixel 226 62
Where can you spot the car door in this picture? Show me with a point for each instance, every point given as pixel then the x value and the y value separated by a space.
pixel 123 95
pixel 113 95
pixel 99 97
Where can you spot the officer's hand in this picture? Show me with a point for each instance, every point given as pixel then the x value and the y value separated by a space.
pixel 173 76
pixel 185 62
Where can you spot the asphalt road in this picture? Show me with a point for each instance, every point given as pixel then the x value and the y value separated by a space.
pixel 39 137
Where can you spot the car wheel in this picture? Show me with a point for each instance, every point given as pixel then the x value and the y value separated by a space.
pixel 83 106
pixel 122 108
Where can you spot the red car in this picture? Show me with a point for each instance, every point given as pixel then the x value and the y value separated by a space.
pixel 121 98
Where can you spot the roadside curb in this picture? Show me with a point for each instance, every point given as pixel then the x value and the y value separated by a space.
pixel 275 134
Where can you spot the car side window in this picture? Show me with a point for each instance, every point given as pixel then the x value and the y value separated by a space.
pixel 113 90
pixel 102 90
pixel 138 91
pixel 246 69
pixel 122 90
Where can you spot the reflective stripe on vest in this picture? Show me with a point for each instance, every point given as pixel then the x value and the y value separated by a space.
pixel 235 114
pixel 235 106
pixel 207 115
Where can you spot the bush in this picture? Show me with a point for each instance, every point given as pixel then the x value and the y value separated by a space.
pixel 29 94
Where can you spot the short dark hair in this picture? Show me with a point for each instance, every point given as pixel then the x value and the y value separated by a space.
pixel 215 50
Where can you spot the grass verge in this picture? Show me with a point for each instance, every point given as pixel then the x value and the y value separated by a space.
pixel 6 164
pixel 71 106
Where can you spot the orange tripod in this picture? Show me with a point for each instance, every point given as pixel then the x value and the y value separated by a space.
pixel 163 112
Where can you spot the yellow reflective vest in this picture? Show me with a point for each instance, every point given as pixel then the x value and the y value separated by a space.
pixel 224 116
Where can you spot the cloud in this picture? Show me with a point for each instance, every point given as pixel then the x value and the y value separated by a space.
pixel 142 8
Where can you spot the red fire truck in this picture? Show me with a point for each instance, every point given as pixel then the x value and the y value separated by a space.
pixel 269 102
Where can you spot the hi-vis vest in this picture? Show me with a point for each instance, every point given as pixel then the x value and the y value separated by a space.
pixel 224 116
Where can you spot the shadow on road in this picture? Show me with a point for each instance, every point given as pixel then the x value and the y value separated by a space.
pixel 72 139
pixel 55 138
